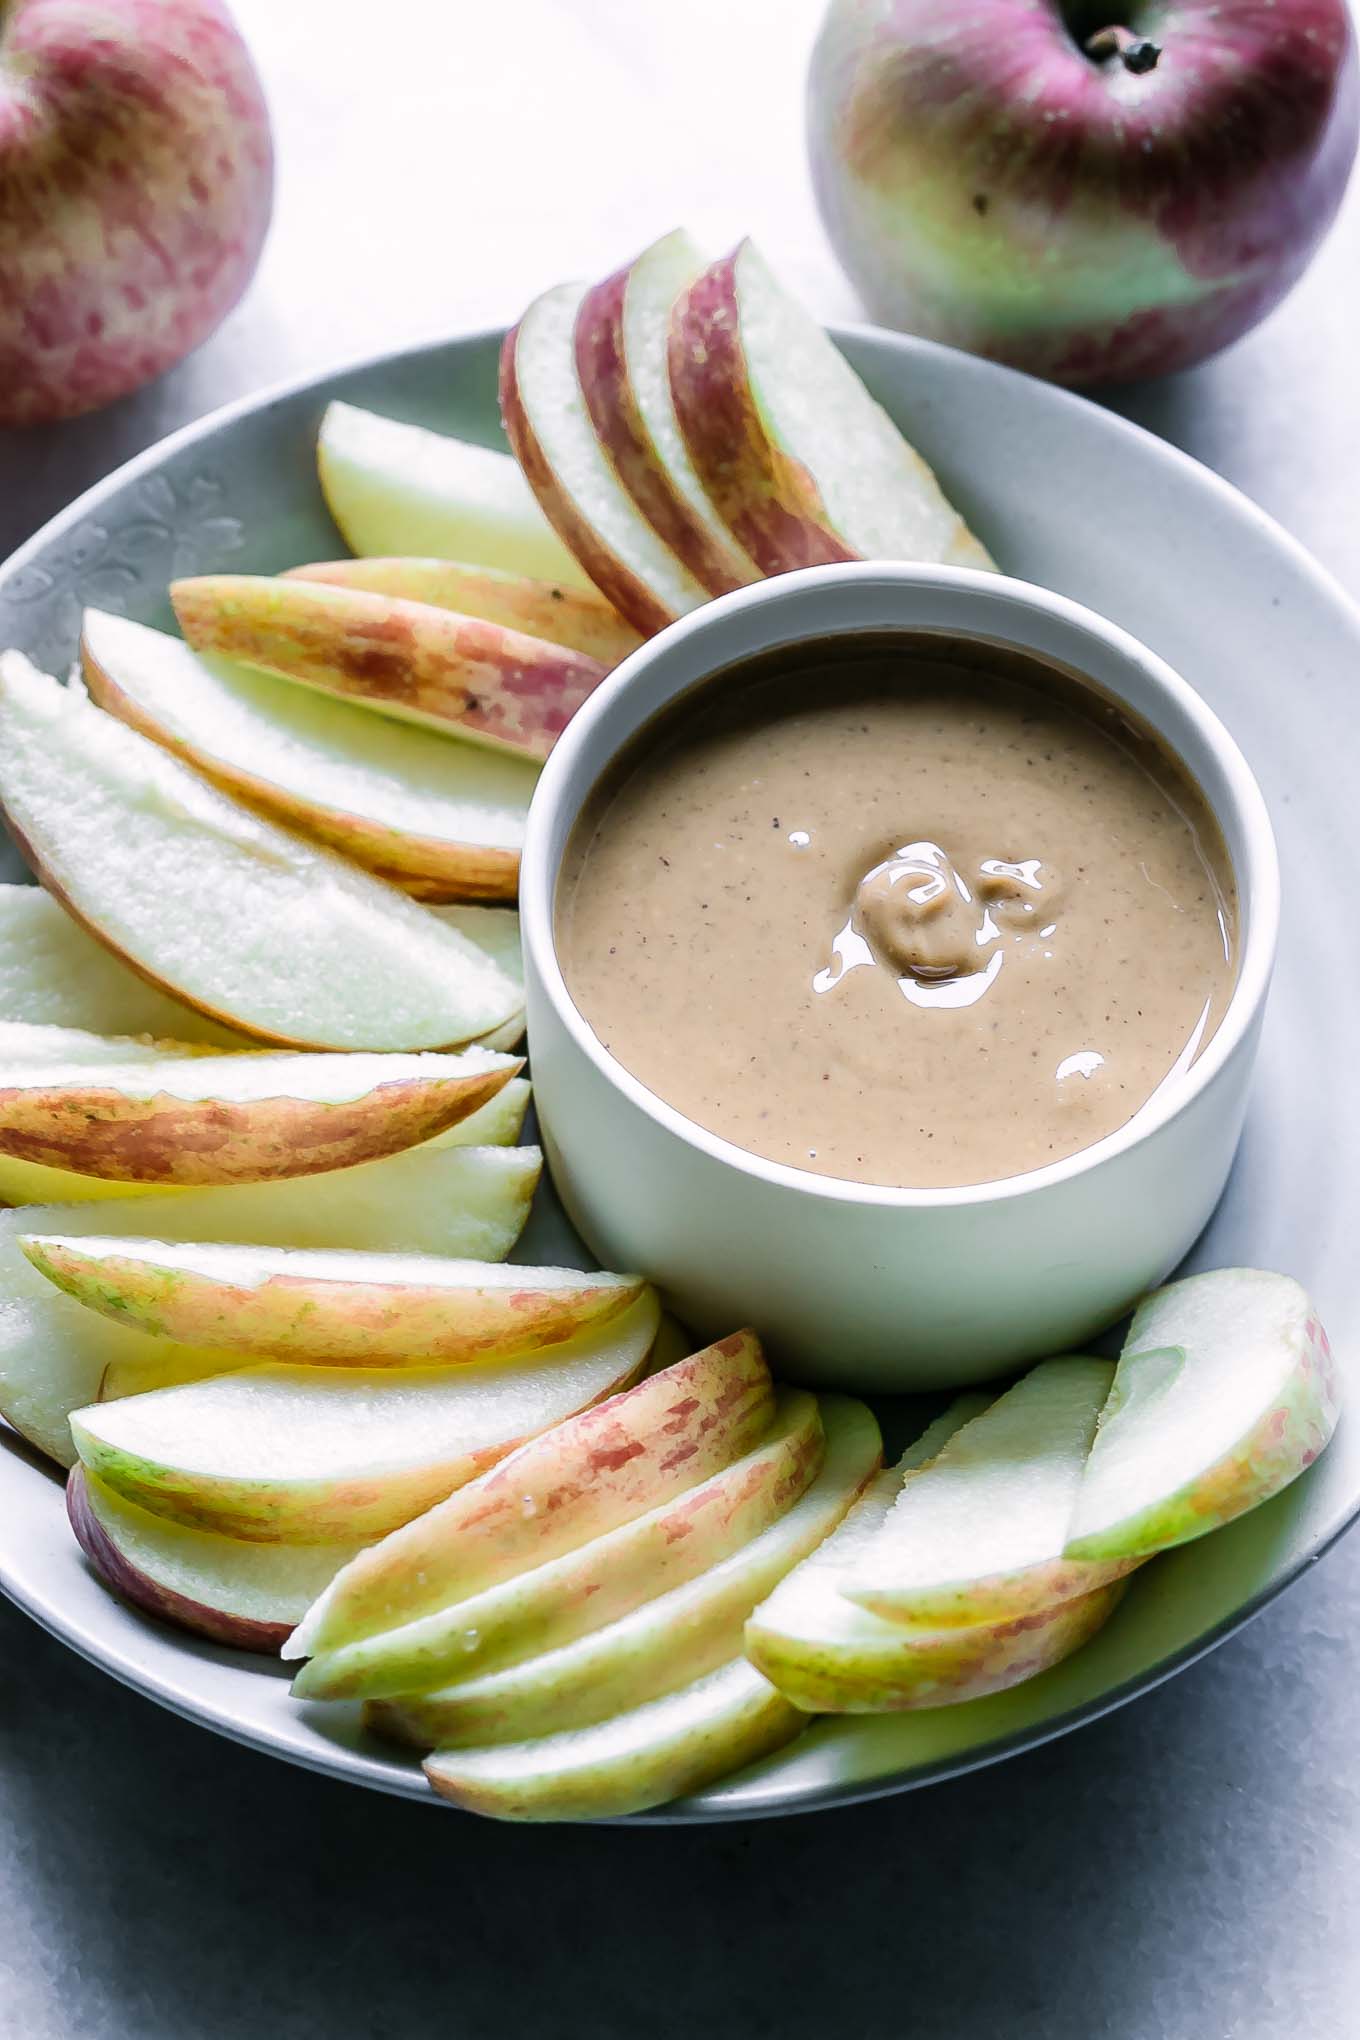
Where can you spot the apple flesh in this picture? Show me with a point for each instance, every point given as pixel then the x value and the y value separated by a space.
pixel 978 1534
pixel 674 1638
pixel 622 340
pixel 333 1307
pixel 455 674
pixel 132 1113
pixel 634 1760
pixel 245 1595
pixel 801 463
pixel 604 1468
pixel 442 821
pixel 578 617
pixel 395 488
pixel 572 475
pixel 310 1455
pixel 232 914
pixel 999 178
pixel 599 1581
pixel 1225 1391
pixel 137 188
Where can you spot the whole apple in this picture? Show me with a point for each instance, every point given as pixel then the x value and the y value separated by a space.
pixel 136 182
pixel 1095 190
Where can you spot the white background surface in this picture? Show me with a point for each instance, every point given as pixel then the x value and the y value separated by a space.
pixel 1189 1867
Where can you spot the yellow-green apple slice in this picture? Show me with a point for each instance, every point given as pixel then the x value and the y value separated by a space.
pixel 978 1534
pixel 229 912
pixel 440 820
pixel 641 1758
pixel 606 1467
pixel 571 474
pixel 185 1119
pixel 53 974
pixel 671 1640
pixel 495 688
pixel 600 1580
pixel 465 1202
pixel 395 488
pixel 828 1656
pixel 564 615
pixel 622 360
pixel 1225 1391
pixel 336 1307
pixel 246 1595
pixel 280 1454
pixel 56 1356
pixel 800 462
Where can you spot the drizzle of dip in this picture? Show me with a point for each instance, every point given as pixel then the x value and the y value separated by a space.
pixel 905 910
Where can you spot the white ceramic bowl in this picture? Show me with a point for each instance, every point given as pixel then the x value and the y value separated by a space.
pixel 857 1285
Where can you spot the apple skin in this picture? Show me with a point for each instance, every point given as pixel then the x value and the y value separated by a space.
pixel 988 184
pixel 136 185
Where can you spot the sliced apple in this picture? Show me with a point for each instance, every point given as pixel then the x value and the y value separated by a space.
pixel 247 1595
pixel 313 1454
pixel 331 1307
pixel 572 476
pixel 604 1468
pixel 470 1203
pixel 440 820
pixel 828 1656
pixel 802 465
pixel 55 975
pixel 675 1638
pixel 564 615
pixel 236 916
pixel 115 1109
pixel 622 342
pixel 495 688
pixel 978 1534
pixel 395 488
pixel 569 1596
pixel 1225 1391
pixel 642 1758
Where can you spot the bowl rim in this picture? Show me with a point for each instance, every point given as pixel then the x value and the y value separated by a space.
pixel 1257 871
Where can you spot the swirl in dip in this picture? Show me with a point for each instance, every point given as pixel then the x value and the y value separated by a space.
pixel 905 909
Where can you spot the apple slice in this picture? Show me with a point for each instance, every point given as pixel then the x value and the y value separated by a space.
pixel 604 1468
pixel 978 1534
pixel 828 1656
pixel 622 342
pixel 247 1595
pixel 650 1754
pixel 279 1454
pixel 333 1307
pixel 1225 1391
pixel 441 820
pixel 581 1591
pixel 799 461
pixel 493 687
pixel 469 1203
pixel 123 1111
pixel 578 617
pixel 395 488
pixel 675 1638
pixel 572 476
pixel 53 974
pixel 234 915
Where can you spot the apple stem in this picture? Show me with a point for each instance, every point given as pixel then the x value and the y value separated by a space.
pixel 1135 52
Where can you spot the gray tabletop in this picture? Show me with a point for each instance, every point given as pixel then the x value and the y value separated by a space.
pixel 1187 1867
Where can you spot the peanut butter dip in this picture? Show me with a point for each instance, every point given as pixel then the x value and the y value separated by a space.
pixel 905 909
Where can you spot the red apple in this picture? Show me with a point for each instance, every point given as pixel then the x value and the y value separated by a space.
pixel 136 180
pixel 1091 192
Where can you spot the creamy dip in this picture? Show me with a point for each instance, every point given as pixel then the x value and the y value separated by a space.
pixel 903 909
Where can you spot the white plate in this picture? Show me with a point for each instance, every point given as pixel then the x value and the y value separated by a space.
pixel 1067 495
